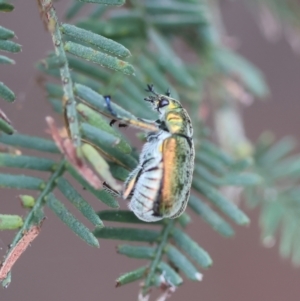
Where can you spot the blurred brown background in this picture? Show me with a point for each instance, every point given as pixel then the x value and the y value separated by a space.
pixel 59 266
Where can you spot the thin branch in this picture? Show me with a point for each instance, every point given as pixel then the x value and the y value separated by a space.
pixel 18 250
pixel 51 22
pixel 158 253
pixel 38 204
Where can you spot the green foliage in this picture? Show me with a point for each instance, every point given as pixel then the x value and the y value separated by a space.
pixel 149 29
pixel 9 46
pixel 10 222
pixel 278 195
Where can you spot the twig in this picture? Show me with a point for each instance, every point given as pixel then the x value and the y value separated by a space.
pixel 158 253
pixel 51 22
pixel 38 204
pixel 18 250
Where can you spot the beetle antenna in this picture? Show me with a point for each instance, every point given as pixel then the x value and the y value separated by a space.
pixel 151 89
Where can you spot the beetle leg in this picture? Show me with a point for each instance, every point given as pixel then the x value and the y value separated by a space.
pixel 133 178
pixel 121 125
pixel 131 181
pixel 113 121
pixel 110 190
pixel 140 123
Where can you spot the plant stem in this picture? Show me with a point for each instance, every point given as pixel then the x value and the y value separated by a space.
pixel 68 98
pixel 158 253
pixel 39 202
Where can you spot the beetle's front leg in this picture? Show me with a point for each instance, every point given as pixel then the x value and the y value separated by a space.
pixel 140 123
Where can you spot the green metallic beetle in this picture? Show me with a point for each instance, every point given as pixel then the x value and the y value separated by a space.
pixel 159 187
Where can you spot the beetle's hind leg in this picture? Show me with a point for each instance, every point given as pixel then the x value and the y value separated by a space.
pixel 111 191
pixel 129 185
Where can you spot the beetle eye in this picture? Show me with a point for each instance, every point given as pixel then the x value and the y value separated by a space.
pixel 164 102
